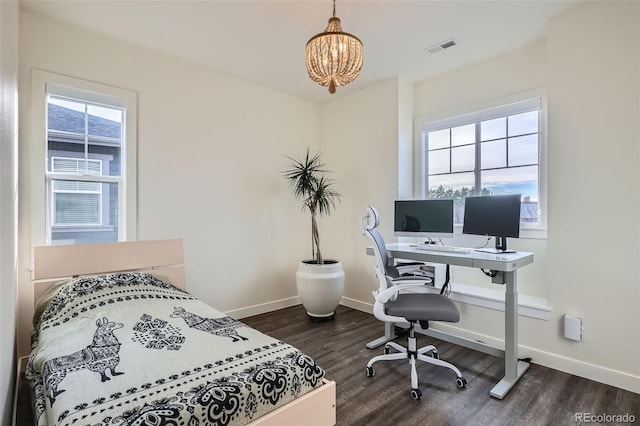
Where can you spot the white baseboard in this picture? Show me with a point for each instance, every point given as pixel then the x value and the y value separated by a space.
pixel 598 373
pixel 263 308
pixel 357 305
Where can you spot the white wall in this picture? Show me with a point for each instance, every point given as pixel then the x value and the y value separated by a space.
pixel 360 144
pixel 8 201
pixel 367 141
pixel 211 149
pixel 594 109
pixel 589 67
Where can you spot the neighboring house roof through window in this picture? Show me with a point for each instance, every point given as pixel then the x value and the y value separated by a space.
pixel 68 120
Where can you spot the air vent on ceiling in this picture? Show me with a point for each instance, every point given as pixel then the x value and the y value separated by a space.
pixel 440 46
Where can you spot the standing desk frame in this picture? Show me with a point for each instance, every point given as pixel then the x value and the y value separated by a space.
pixel 506 264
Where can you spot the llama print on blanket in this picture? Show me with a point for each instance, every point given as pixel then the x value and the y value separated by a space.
pixel 101 355
pixel 225 326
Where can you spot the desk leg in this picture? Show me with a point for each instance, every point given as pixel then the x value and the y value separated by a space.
pixel 389 334
pixel 513 369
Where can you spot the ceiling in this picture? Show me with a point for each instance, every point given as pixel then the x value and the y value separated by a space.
pixel 263 41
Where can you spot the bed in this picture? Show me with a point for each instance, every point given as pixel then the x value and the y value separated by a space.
pixel 122 343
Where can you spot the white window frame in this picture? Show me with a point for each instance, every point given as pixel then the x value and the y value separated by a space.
pixel 486 111
pixel 44 83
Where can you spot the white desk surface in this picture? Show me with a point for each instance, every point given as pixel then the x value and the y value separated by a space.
pixel 495 261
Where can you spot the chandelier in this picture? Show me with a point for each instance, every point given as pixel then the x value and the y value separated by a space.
pixel 334 58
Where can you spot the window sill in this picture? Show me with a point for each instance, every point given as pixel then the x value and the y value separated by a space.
pixel 533 233
pixel 528 306
pixel 525 232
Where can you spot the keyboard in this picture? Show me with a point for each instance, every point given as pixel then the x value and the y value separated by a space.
pixel 442 249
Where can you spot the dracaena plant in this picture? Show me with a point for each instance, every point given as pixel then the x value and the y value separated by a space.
pixel 309 184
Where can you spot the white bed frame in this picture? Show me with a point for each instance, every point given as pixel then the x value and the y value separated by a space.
pixel 166 258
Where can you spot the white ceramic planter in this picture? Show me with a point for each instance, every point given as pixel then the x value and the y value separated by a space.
pixel 320 287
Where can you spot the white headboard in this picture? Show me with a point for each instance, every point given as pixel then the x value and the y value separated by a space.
pixel 55 263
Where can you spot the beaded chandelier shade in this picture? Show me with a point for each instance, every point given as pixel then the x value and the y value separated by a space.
pixel 334 58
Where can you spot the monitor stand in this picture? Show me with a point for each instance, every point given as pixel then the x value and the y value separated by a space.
pixel 501 247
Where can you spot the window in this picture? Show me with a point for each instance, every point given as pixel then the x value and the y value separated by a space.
pixel 488 152
pixel 87 147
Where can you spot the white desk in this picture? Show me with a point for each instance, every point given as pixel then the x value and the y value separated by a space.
pixel 507 264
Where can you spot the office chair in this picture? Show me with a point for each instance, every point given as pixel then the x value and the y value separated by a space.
pixel 393 305
pixel 400 271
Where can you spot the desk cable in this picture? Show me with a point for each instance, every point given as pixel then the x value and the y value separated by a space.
pixel 489 272
pixel 485 244
pixel 446 287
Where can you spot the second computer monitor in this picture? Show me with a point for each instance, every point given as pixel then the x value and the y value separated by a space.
pixel 494 216
pixel 423 218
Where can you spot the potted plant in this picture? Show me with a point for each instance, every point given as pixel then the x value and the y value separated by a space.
pixel 320 281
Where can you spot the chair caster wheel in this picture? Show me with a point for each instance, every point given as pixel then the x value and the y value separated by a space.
pixel 434 354
pixel 416 394
pixel 387 350
pixel 461 382
pixel 370 372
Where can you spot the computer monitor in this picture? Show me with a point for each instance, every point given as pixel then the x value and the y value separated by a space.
pixel 494 216
pixel 423 218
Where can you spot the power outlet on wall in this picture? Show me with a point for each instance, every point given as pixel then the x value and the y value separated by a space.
pixel 573 327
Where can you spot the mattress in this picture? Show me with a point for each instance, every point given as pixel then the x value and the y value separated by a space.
pixel 131 349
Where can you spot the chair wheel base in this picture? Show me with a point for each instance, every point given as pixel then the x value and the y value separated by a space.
pixel 416 394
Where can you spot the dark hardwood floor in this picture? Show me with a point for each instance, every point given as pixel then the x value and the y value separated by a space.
pixel 542 397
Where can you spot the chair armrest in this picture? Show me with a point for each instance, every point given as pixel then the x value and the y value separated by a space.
pixel 400 264
pixel 386 295
pixel 415 268
pixel 423 279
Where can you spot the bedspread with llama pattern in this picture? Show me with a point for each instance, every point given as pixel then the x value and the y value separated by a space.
pixel 131 349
